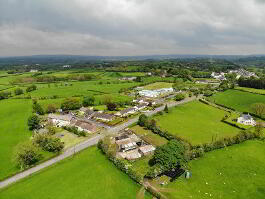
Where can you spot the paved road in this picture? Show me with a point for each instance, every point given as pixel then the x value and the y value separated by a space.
pixel 83 145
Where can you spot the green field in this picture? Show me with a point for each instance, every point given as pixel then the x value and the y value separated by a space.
pixel 13 129
pixel 196 122
pixel 252 90
pixel 231 173
pixel 238 100
pixel 158 85
pixel 88 175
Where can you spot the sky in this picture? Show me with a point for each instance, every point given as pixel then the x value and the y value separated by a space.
pixel 132 27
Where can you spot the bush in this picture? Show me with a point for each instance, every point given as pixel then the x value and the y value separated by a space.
pixel 18 91
pixel 70 104
pixel 5 95
pixel 31 88
pixel 48 143
pixel 111 106
pixel 27 155
pixel 179 97
pixel 33 122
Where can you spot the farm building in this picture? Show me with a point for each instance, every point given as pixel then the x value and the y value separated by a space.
pixel 155 93
pixel 246 119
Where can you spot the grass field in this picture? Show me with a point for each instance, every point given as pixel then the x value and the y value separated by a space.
pixel 252 90
pixel 195 122
pixel 158 85
pixel 148 136
pixel 13 129
pixel 239 100
pixel 234 172
pixel 88 175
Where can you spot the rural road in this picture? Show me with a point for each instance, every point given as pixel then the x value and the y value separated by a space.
pixel 83 145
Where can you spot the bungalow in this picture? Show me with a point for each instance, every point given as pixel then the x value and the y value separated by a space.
pixel 246 119
pixel 60 120
pixel 126 112
pixel 129 155
pixel 89 113
pixel 86 126
pixel 103 116
pixel 140 100
pixel 146 150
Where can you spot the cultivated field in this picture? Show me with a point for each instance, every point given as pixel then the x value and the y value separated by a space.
pixel 196 122
pixel 88 175
pixel 238 100
pixel 233 172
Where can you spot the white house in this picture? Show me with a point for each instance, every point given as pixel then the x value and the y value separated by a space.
pixel 246 119
pixel 60 120
pixel 126 112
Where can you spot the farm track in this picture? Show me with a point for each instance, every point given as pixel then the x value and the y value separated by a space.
pixel 83 145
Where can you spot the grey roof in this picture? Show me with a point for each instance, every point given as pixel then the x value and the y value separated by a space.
pixel 104 115
pixel 67 117
pixel 246 116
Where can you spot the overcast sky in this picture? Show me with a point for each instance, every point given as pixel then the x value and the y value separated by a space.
pixel 131 27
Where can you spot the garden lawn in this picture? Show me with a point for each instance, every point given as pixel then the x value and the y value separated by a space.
pixel 230 173
pixel 196 122
pixel 149 136
pixel 88 175
pixel 238 100
pixel 13 130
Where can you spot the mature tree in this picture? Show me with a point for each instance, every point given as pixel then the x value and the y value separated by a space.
pixel 18 91
pixel 37 108
pixel 27 154
pixel 171 155
pixel 258 109
pixel 51 108
pixel 33 122
pixel 111 106
pixel 143 120
pixel 179 97
pixel 89 101
pixel 208 93
pixel 5 95
pixel 166 109
pixel 70 104
pixel 48 143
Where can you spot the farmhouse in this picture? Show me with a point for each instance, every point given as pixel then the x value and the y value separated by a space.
pixel 128 78
pixel 219 76
pixel 126 112
pixel 60 120
pixel 104 117
pixel 246 119
pixel 131 147
pixel 86 126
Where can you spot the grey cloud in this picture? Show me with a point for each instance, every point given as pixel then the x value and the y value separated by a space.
pixel 131 27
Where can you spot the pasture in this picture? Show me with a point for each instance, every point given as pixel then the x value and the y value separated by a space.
pixel 87 175
pixel 196 122
pixel 238 100
pixel 13 130
pixel 233 172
